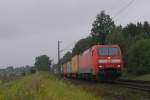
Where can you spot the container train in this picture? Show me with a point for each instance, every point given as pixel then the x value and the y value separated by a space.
pixel 100 62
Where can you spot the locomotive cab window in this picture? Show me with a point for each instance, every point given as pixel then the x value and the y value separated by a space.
pixel 103 51
pixel 108 51
pixel 113 51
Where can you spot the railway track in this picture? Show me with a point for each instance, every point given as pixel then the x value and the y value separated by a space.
pixel 134 84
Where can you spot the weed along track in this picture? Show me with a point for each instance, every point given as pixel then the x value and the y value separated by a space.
pixel 43 86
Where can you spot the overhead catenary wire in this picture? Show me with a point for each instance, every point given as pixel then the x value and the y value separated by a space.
pixel 124 8
pixel 69 45
pixel 118 13
pixel 66 48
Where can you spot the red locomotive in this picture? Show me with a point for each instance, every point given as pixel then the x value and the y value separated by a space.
pixel 100 62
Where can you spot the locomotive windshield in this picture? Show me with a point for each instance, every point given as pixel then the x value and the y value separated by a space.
pixel 108 51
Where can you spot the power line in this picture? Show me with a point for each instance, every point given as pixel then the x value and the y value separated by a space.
pixel 71 44
pixel 66 48
pixel 124 8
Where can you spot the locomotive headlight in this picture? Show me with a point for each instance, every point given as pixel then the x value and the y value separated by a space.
pixel 100 66
pixel 118 66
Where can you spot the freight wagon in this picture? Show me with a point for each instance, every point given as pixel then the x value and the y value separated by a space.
pixel 69 68
pixel 65 70
pixel 75 65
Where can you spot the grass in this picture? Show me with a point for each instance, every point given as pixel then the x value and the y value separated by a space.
pixel 142 77
pixel 43 86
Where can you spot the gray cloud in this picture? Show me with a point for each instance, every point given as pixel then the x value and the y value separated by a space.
pixel 29 28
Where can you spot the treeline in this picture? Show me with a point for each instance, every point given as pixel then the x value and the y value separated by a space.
pixel 134 40
pixel 42 63
pixel 11 73
pixel 19 71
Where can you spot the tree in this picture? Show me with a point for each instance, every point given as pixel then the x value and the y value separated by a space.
pixel 138 58
pixel 116 37
pixel 101 27
pixel 10 68
pixel 66 58
pixel 42 62
pixel 146 28
pixel 82 45
pixel 32 70
pixel 135 32
pixel 131 30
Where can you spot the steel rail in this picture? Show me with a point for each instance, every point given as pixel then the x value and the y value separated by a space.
pixel 134 84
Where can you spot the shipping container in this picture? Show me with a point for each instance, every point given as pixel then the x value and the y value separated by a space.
pixel 75 64
pixel 69 67
pixel 65 69
pixel 85 62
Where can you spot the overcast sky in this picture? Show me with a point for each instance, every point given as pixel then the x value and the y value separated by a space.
pixel 29 28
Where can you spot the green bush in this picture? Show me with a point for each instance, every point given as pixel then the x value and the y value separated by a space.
pixel 138 58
